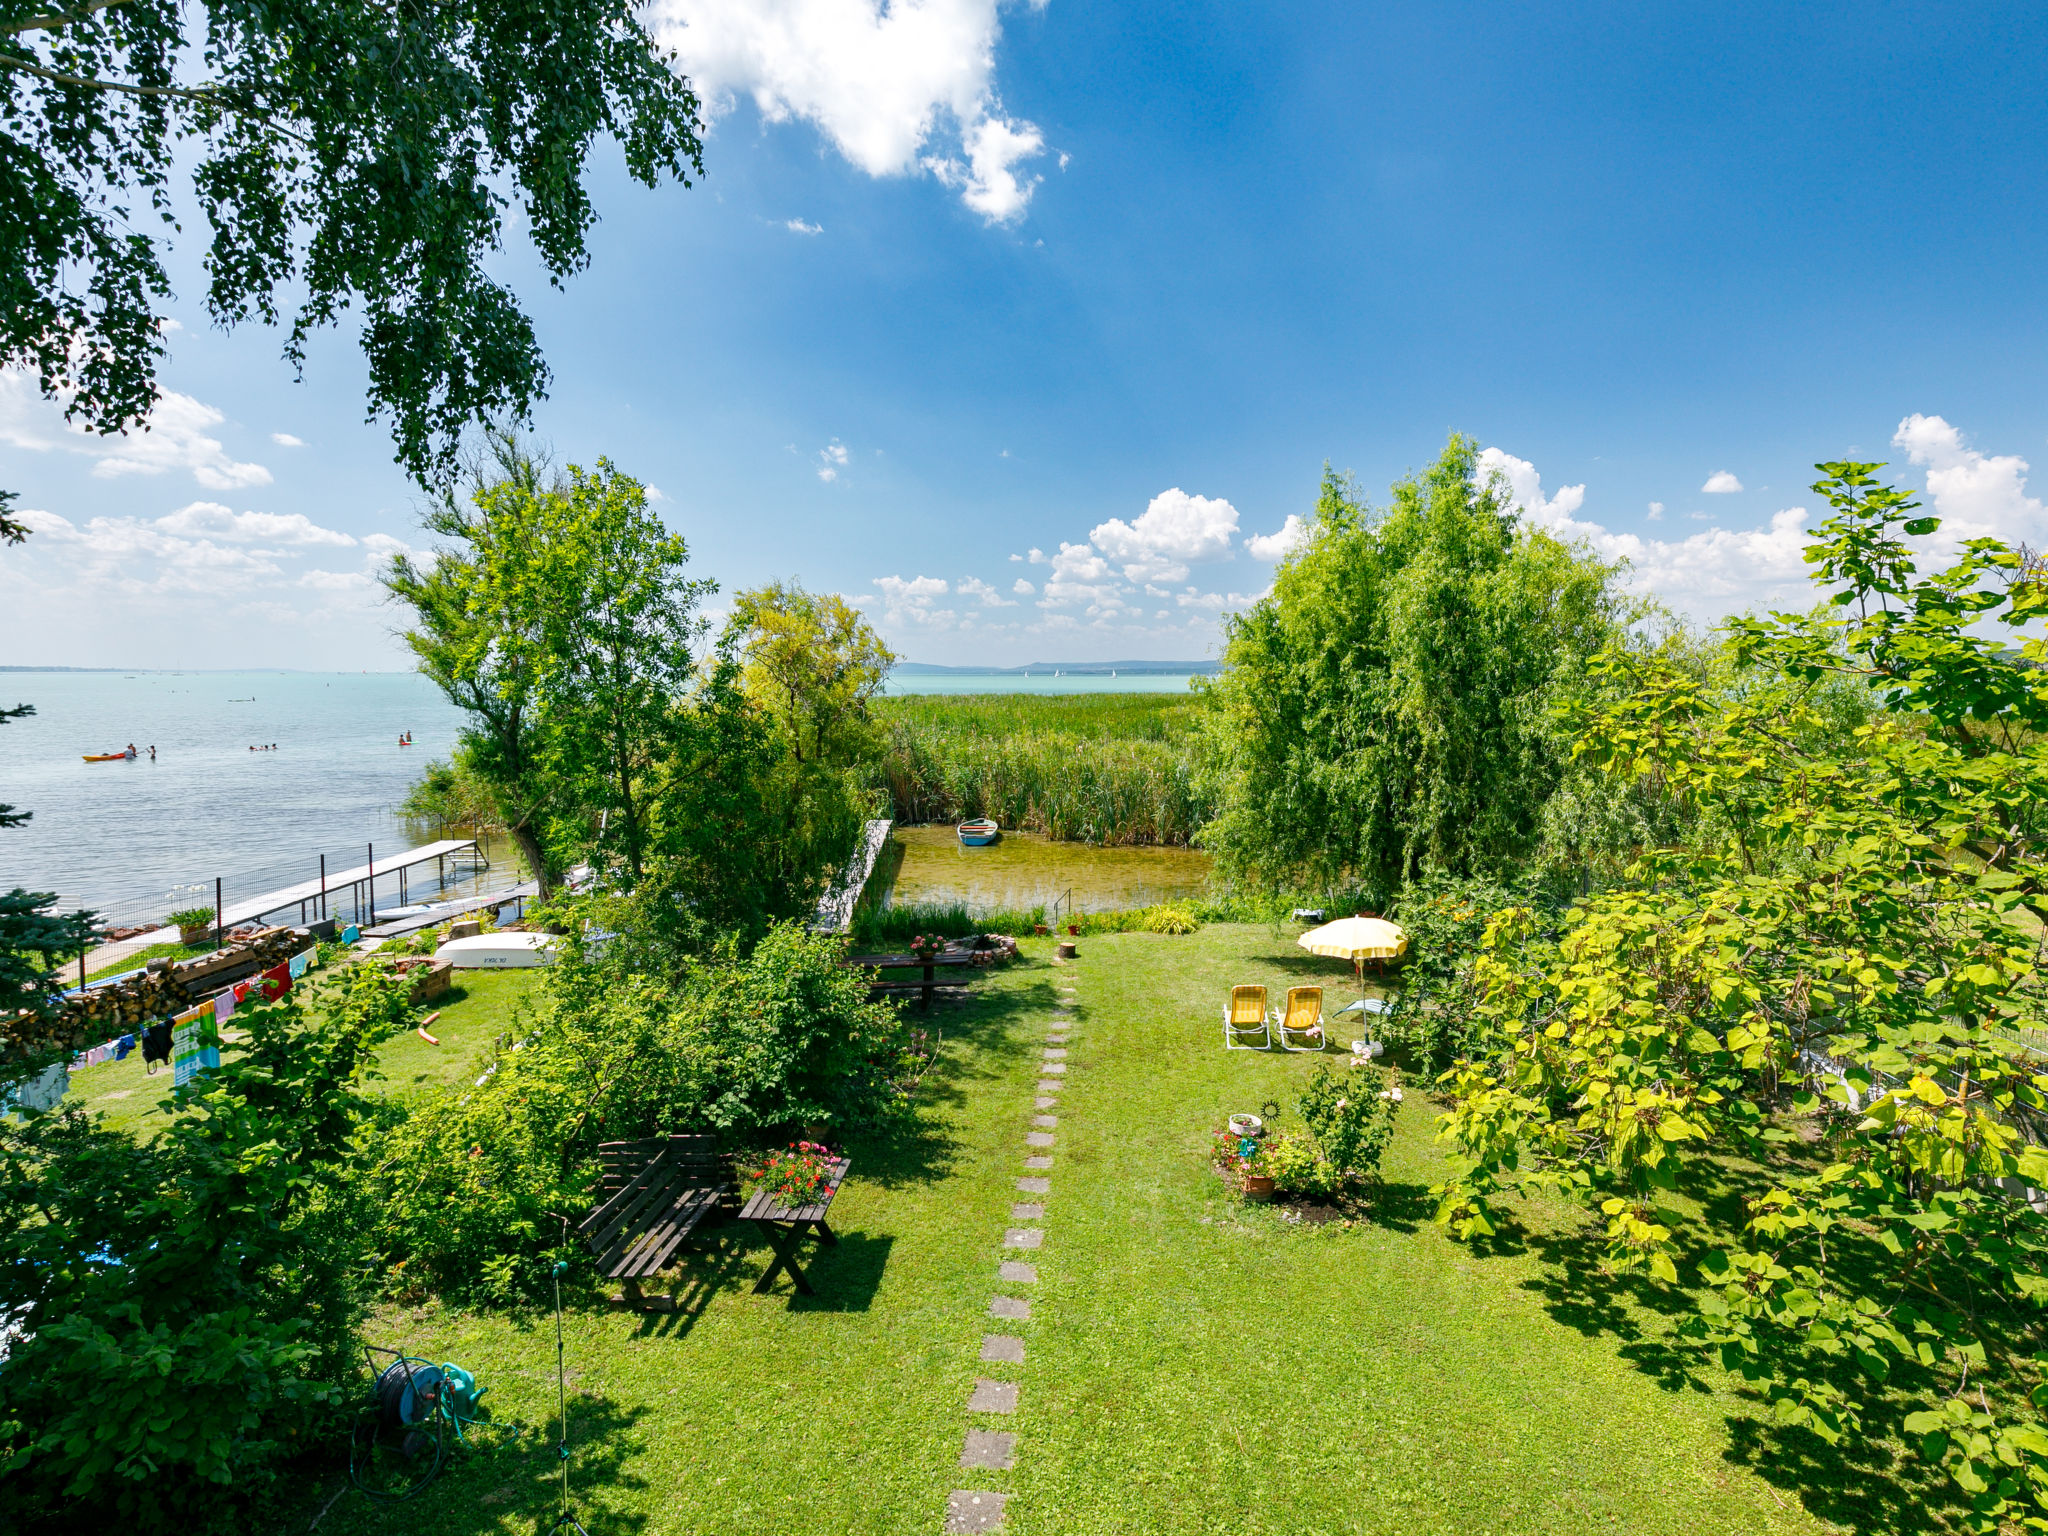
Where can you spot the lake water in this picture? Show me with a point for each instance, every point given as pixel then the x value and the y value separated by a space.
pixel 120 837
pixel 1027 869
pixel 1038 682
pixel 128 839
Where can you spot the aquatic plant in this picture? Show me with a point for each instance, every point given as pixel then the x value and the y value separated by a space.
pixel 1111 770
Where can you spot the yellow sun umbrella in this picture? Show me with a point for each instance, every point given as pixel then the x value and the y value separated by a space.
pixel 1357 939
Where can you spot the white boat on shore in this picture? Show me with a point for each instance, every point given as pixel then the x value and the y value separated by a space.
pixel 497 951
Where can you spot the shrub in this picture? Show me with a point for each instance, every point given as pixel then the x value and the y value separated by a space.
pixel 191 917
pixel 1350 1120
pixel 186 1308
pixel 891 927
pixel 477 1176
pixel 1297 1165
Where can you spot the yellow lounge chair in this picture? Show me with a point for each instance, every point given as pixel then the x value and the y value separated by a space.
pixel 1301 1026
pixel 1244 1017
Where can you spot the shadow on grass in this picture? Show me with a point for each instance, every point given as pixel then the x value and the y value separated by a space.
pixel 1400 1207
pixel 1868 1485
pixel 506 1475
pixel 984 1037
pixel 1864 1486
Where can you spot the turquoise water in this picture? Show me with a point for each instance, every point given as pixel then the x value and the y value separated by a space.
pixel 1038 682
pixel 128 839
pixel 119 837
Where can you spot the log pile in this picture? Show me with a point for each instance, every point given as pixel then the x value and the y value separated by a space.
pixel 164 988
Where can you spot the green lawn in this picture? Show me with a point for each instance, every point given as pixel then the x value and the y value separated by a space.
pixel 478 1008
pixel 1193 1365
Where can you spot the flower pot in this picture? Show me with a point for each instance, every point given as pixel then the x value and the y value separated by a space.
pixel 1258 1186
pixel 1039 930
pixel 1074 929
pixel 1247 1125
pixel 196 935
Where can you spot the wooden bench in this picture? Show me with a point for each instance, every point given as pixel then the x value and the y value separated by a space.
pixel 924 990
pixel 655 1195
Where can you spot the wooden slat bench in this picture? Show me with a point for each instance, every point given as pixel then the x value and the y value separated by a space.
pixel 655 1195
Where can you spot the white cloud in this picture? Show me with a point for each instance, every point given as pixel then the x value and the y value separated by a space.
pixel 1710 575
pixel 832 458
pixel 286 440
pixel 1976 495
pixel 987 183
pixel 1722 483
pixel 799 227
pixel 970 586
pixel 1037 557
pixel 1275 547
pixel 211 519
pixel 1014 559
pixel 880 78
pixel 655 494
pixel 1656 511
pixel 909 601
pixel 1174 530
pixel 1525 487
pixel 1022 587
pixel 176 437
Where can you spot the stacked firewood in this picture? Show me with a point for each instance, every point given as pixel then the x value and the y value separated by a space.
pixel 164 988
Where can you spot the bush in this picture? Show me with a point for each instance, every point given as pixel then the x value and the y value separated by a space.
pixel 1297 1165
pixel 186 1308
pixel 1350 1120
pixel 191 917
pixel 477 1176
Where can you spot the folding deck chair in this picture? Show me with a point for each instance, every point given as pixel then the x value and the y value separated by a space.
pixel 1301 1026
pixel 1245 1024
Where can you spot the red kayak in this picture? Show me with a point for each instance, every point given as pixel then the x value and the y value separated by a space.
pixel 108 757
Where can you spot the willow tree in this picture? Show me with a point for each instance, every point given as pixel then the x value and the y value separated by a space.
pixel 1387 710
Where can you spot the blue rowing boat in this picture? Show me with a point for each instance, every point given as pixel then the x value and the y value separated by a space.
pixel 978 833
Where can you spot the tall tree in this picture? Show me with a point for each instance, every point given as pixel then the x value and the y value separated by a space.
pixel 346 152
pixel 619 623
pixel 1834 984
pixel 1386 710
pixel 478 632
pixel 815 663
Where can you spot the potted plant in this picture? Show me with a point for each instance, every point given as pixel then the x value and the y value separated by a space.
pixel 193 924
pixel 927 947
pixel 1242 1162
pixel 795 1176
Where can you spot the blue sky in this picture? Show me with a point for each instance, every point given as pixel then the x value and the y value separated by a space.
pixel 1112 282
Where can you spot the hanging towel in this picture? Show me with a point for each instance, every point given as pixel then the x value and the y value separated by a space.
pixel 45 1089
pixel 195 1044
pixel 301 963
pixel 123 1046
pixel 223 1007
pixel 242 992
pixel 277 981
pixel 156 1044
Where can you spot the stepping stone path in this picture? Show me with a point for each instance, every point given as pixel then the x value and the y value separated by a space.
pixel 967 1510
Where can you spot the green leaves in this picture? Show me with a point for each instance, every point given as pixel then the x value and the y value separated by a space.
pixel 1385 712
pixel 348 153
pixel 1829 961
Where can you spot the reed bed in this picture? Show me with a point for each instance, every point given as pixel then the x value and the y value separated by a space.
pixel 1114 770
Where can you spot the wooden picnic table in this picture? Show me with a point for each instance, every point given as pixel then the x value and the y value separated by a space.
pixel 952 954
pixel 785 1226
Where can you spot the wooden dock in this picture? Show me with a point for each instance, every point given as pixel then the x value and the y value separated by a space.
pixel 357 886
